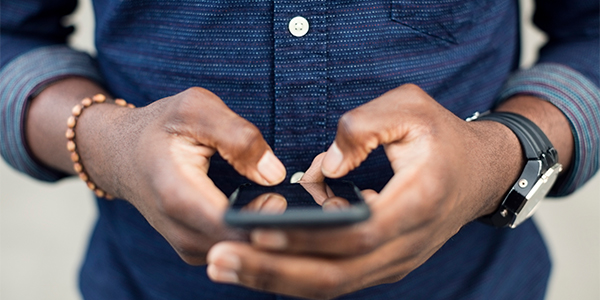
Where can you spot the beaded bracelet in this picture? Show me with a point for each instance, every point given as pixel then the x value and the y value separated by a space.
pixel 72 147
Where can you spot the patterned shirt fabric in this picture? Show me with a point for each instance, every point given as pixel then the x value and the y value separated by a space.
pixel 464 53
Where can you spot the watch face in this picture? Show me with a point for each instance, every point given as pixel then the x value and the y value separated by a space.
pixel 537 193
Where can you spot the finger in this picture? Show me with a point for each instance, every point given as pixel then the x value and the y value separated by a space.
pixel 243 147
pixel 378 122
pixel 275 204
pixel 238 263
pixel 190 207
pixel 268 203
pixel 315 277
pixel 350 240
pixel 318 190
pixel 314 174
pixel 185 190
pixel 335 204
pixel 237 140
pixel 369 195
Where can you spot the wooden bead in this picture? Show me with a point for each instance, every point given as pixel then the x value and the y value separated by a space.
pixel 74 157
pixel 100 193
pixel 70 134
pixel 99 98
pixel 87 102
pixel 83 176
pixel 120 102
pixel 71 146
pixel 71 122
pixel 77 110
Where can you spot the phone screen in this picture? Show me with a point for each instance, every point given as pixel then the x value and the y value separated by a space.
pixel 333 203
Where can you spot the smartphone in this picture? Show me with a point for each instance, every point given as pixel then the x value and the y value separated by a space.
pixel 319 204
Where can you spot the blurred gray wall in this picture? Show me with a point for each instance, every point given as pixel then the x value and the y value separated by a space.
pixel 44 228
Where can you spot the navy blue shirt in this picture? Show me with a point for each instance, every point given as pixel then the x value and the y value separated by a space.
pixel 464 53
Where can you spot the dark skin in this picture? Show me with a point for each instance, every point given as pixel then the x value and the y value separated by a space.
pixel 157 156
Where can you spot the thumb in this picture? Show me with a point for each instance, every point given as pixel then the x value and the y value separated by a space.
pixel 242 145
pixel 203 116
pixel 360 131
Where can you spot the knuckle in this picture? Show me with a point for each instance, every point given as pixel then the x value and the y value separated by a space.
pixel 329 285
pixel 247 133
pixel 411 87
pixel 189 101
pixel 366 241
pixel 267 274
pixel 244 141
pixel 261 283
pixel 195 92
pixel 330 281
pixel 349 124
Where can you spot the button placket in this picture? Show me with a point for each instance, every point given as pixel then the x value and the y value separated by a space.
pixel 300 82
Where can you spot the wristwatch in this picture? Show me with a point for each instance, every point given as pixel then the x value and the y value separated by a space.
pixel 539 174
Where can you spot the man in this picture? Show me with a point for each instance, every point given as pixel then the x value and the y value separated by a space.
pixel 294 80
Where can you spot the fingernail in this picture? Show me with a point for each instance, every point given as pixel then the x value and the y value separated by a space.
pixel 271 169
pixel 269 239
pixel 223 275
pixel 332 206
pixel 332 161
pixel 274 205
pixel 222 256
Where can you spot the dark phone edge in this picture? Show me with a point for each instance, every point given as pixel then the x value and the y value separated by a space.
pixel 298 218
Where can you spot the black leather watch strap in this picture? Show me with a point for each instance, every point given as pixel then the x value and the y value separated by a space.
pixel 534 142
pixel 540 155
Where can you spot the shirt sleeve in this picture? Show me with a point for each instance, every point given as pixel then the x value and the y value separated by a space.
pixel 33 55
pixel 567 75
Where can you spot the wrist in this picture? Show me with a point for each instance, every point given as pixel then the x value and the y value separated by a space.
pixel 536 178
pixel 498 163
pixel 46 118
pixel 101 133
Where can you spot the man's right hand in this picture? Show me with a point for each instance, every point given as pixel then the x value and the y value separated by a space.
pixel 157 157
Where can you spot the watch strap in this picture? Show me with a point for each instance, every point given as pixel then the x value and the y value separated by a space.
pixel 533 141
pixel 540 155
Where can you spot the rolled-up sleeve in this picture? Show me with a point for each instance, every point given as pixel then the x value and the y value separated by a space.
pixel 34 54
pixel 579 99
pixel 568 75
pixel 23 77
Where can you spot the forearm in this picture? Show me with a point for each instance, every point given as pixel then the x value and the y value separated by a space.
pixel 46 121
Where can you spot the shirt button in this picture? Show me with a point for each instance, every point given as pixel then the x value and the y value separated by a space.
pixel 298 26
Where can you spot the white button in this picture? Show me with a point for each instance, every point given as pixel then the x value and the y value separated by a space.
pixel 296 177
pixel 298 26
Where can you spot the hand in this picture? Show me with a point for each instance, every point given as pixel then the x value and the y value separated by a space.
pixel 447 172
pixel 157 157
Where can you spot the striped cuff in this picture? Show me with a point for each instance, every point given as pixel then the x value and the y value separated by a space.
pixel 579 99
pixel 24 76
